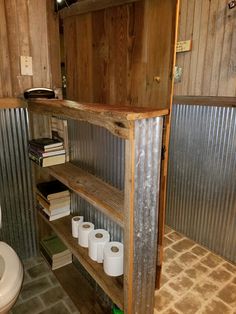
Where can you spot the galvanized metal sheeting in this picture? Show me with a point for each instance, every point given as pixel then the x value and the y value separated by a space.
pixel 148 143
pixel 16 192
pixel 95 149
pixel 201 196
pixel 98 151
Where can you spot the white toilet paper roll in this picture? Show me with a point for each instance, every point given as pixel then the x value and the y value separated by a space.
pixel 113 258
pixel 97 240
pixel 84 229
pixel 75 221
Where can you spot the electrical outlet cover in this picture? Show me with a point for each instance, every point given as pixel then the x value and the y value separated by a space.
pixel 26 65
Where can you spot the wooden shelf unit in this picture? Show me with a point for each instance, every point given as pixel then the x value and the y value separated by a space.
pixel 111 285
pixel 103 196
pixel 136 210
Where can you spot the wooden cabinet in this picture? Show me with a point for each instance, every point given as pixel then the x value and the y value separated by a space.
pixel 135 209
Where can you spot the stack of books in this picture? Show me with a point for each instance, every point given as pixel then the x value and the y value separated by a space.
pixel 47 151
pixel 55 252
pixel 53 199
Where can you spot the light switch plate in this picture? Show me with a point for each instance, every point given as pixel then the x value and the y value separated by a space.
pixel 26 65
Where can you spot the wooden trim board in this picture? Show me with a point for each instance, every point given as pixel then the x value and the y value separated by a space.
pixel 87 6
pixel 11 103
pixel 216 101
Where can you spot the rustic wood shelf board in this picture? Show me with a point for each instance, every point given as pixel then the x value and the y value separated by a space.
pixel 87 6
pixel 11 103
pixel 117 119
pixel 103 196
pixel 111 285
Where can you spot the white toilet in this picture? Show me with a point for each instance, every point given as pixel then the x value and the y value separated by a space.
pixel 11 277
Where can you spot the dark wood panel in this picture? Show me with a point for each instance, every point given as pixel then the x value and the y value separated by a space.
pixel 122 55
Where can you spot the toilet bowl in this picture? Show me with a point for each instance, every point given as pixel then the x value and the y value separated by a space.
pixel 11 277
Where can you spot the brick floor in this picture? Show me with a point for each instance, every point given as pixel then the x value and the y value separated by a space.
pixel 194 279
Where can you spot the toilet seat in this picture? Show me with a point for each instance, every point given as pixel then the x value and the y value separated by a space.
pixel 12 275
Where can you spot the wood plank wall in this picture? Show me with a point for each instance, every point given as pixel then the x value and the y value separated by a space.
pixel 113 55
pixel 28 28
pixel 210 68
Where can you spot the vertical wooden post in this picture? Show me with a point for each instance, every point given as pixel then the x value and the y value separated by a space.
pixel 142 183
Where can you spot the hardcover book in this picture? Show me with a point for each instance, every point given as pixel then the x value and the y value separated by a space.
pixel 53 189
pixel 45 142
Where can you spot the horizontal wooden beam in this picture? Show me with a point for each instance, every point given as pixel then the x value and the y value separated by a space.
pixel 87 6
pixel 214 101
pixel 11 103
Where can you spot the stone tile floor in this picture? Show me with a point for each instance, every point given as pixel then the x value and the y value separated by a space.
pixel 41 292
pixel 194 280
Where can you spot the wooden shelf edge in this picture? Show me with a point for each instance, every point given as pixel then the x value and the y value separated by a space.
pixel 111 285
pixel 91 189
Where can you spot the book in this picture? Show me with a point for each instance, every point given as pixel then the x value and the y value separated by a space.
pixel 59 130
pixel 54 210
pixel 54 203
pixel 55 258
pixel 41 153
pixel 52 217
pixel 53 189
pixel 53 245
pixel 45 142
pixel 48 161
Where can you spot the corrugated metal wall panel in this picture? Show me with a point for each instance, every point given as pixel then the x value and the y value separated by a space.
pixel 201 195
pixel 18 216
pixel 98 151
pixel 148 144
pixel 95 149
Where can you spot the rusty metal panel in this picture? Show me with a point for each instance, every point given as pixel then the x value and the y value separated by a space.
pixel 201 193
pixel 16 188
pixel 148 144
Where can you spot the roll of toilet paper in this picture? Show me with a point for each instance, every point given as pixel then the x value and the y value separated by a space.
pixel 84 229
pixel 96 241
pixel 75 221
pixel 113 258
